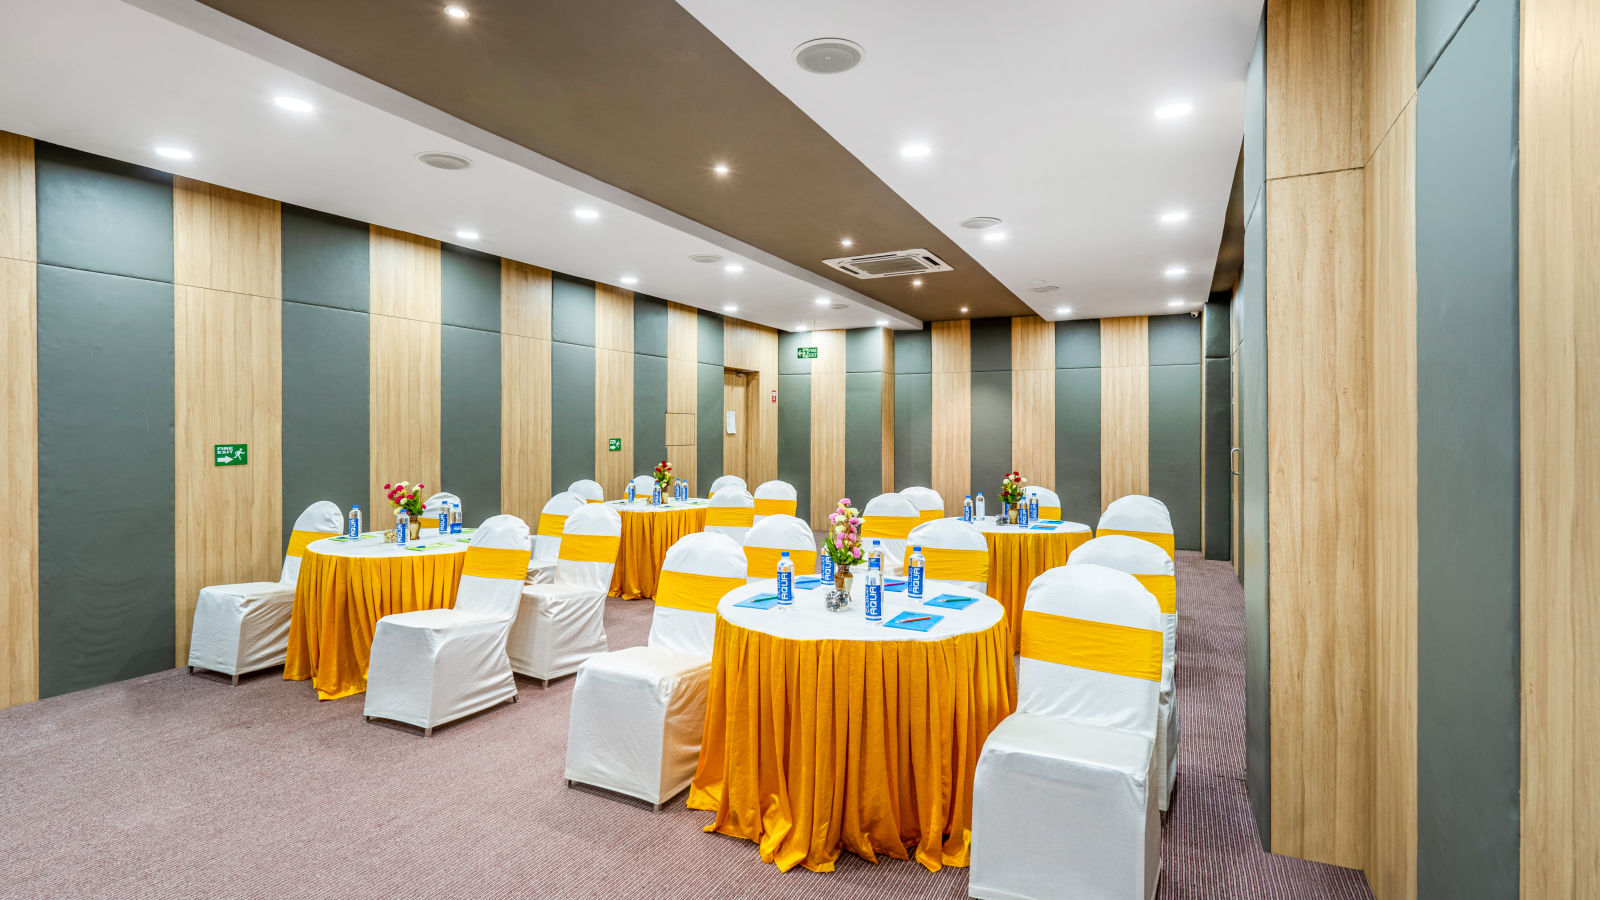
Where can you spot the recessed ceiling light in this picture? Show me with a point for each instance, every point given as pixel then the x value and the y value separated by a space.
pixel 175 153
pixel 1176 301
pixel 466 234
pixel 846 242
pixel 705 257
pixel 293 104
pixel 828 56
pixel 441 160
pixel 995 237
pixel 916 282
pixel 916 151
pixel 730 308
pixel 1175 271
pixel 721 169
pixel 584 212
pixel 1174 110
pixel 801 329
pixel 883 323
pixel 980 222
pixel 628 279
pixel 963 309
pixel 1063 310
pixel 1173 217
pixel 456 12
pixel 822 301
pixel 733 268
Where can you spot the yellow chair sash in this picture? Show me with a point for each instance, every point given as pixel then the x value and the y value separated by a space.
pixel 928 515
pixel 299 539
pixel 772 507
pixel 1050 512
pixel 956 565
pixel 1159 538
pixel 1165 587
pixel 600 548
pixel 496 562
pixel 888 527
pixel 551 525
pixel 592 500
pixel 1085 644
pixel 695 593
pixel 763 561
pixel 428 522
pixel 729 516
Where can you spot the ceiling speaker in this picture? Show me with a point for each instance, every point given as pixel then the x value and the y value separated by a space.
pixel 828 56
pixel 441 160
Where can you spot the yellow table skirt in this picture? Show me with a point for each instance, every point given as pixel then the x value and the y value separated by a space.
pixel 645 539
pixel 1016 558
pixel 338 602
pixel 814 747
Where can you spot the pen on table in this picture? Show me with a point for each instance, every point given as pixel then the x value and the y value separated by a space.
pixel 915 619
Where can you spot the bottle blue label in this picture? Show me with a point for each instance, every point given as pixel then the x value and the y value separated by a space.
pixel 455 522
pixel 914 582
pixel 785 588
pixel 399 532
pixel 825 571
pixel 874 602
pixel 355 526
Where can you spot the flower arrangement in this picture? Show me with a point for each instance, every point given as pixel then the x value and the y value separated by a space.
pixel 843 543
pixel 663 475
pixel 404 496
pixel 1011 488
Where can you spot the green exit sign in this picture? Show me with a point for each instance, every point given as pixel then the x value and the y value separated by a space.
pixel 614 444
pixel 232 454
pixel 805 353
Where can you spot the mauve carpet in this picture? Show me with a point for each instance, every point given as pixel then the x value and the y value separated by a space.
pixel 173 785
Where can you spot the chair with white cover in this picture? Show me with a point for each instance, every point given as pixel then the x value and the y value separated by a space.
pixel 888 519
pixel 643 485
pixel 1153 568
pixel 547 540
pixel 765 543
pixel 433 666
pixel 1049 502
pixel 953 550
pixel 563 623
pixel 432 509
pixel 726 481
pixel 589 489
pixel 775 498
pixel 637 713
pixel 241 628
pixel 1064 792
pixel 929 504
pixel 1142 517
pixel 731 513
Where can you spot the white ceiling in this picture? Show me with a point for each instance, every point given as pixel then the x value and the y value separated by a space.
pixel 109 78
pixel 1041 113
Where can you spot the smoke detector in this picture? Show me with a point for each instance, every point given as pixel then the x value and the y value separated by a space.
pixel 450 162
pixel 893 264
pixel 980 222
pixel 706 258
pixel 828 56
pixel 1045 288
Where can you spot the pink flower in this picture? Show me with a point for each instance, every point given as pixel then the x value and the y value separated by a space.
pixel 855 520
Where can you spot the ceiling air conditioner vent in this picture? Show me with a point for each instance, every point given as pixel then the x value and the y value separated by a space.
pixel 889 265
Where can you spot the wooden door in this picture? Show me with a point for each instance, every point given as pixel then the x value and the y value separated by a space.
pixel 735 397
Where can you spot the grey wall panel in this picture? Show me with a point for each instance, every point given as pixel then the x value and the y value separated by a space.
pixel 708 423
pixel 103 215
pixel 1215 322
pixel 863 350
pixel 708 340
pixel 572 441
pixel 1468 509
pixel 649 413
pixel 1255 125
pixel 327 259
pixel 106 478
pixel 1218 502
pixel 1175 447
pixel 470 292
pixel 325 401
pixel 649 327
pixel 991 345
pixel 1437 23
pixel 863 435
pixel 571 310
pixel 991 430
pixel 913 430
pixel 1175 340
pixel 1252 355
pixel 1078 346
pixel 469 424
pixel 794 437
pixel 913 351
pixel 1078 444
pixel 788 363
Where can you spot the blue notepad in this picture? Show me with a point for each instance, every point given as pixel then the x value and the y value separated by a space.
pixel 763 601
pixel 1042 528
pixel 806 584
pixel 951 601
pixel 925 621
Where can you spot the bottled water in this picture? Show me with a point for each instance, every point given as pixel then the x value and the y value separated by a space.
pixel 455 518
pixel 875 589
pixel 655 493
pixel 1033 507
pixel 353 523
pixel 1022 513
pixel 785 580
pixel 914 567
pixel 402 523
pixel 876 553
pixel 632 488
pixel 681 489
pixel 966 509
pixel 980 505
pixel 825 569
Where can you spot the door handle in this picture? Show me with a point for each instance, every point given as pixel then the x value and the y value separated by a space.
pixel 1233 456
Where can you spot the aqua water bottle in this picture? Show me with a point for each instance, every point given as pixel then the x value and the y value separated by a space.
pixel 1022 513
pixel 1033 507
pixel 825 568
pixel 655 494
pixel 914 567
pixel 455 518
pixel 979 511
pixel 875 589
pixel 402 523
pixel 785 580
pixel 632 488
pixel 966 509
pixel 353 523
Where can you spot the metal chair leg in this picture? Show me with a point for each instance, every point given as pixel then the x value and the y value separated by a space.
pixel 544 684
pixel 427 732
pixel 236 679
pixel 191 670
pixel 513 698
pixel 658 807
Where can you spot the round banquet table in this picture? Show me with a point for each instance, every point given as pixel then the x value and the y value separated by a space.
pixel 647 532
pixel 1017 556
pixel 345 587
pixel 825 732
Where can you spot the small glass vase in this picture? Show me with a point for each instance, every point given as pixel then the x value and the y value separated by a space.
pixel 838 599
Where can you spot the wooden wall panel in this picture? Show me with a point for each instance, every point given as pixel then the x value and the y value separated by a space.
pixel 18 209
pixel 1124 407
pixel 755 348
pixel 1033 399
pixel 1317 355
pixel 1316 72
pixel 1390 240
pixel 226 240
pixel 951 357
pixel 407 276
pixel 228 381
pixel 403 416
pixel 524 300
pixel 525 418
pixel 19 472
pixel 1390 41
pixel 1560 361
pixel 682 380
pixel 827 426
pixel 613 387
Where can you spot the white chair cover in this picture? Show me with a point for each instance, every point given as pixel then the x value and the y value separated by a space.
pixel 1064 788
pixel 1140 501
pixel 765 544
pixel 929 504
pixel 953 551
pixel 547 539
pixel 637 714
pixel 561 624
pixel 729 480
pixel 240 628
pixel 1049 503
pixel 731 513
pixel 775 498
pixel 889 518
pixel 433 507
pixel 1153 569
pixel 433 666
pixel 1141 517
pixel 589 490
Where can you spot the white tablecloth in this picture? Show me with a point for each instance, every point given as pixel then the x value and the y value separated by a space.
pixel 987 525
pixel 810 620
pixel 372 546
pixel 643 505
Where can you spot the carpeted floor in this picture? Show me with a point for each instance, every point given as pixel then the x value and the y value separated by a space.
pixel 178 786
